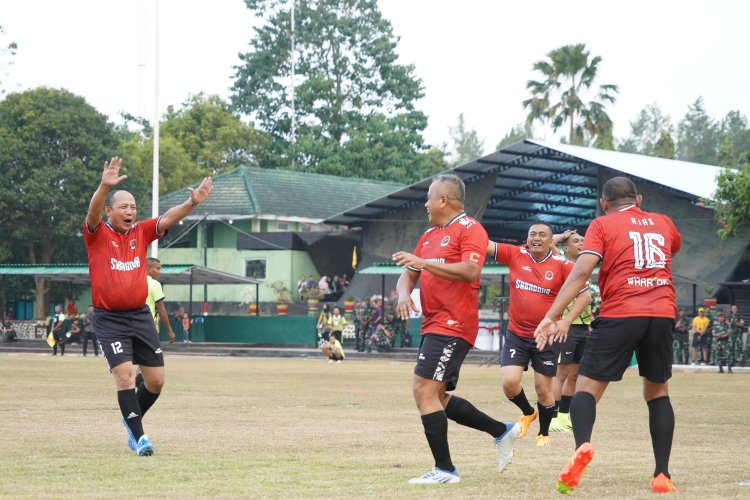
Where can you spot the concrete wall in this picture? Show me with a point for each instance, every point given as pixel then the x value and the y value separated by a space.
pixel 704 257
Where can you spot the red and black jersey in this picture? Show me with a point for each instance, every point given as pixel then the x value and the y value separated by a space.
pixel 451 307
pixel 117 264
pixel 635 248
pixel 533 285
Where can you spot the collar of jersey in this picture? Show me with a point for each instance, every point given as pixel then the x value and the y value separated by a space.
pixel 626 208
pixel 549 254
pixel 454 219
pixel 115 230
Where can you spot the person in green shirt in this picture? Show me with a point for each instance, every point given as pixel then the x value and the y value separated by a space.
pixel 333 350
pixel 155 297
pixel 337 322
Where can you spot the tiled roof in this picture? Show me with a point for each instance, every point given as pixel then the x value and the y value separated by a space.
pixel 251 191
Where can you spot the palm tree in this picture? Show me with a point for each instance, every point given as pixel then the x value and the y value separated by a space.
pixel 569 73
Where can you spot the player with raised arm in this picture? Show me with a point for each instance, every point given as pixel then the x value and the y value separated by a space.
pixel 122 320
pixel 637 313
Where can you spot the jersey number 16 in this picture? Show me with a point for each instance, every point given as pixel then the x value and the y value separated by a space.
pixel 647 250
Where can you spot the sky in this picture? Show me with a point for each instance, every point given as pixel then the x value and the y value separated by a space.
pixel 473 56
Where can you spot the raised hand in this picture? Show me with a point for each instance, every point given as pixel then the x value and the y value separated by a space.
pixel 111 174
pixel 200 194
pixel 405 259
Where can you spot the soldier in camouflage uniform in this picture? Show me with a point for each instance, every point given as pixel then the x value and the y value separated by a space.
pixel 737 326
pixel 365 310
pixel 680 340
pixel 401 328
pixel 721 332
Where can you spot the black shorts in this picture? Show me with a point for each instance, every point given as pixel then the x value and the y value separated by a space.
pixel 571 351
pixel 440 358
pixel 128 336
pixel 517 351
pixel 613 341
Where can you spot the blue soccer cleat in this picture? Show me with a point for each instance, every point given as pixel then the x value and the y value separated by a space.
pixel 437 476
pixel 131 438
pixel 144 447
pixel 505 442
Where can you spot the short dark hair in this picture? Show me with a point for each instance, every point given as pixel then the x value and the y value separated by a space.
pixel 542 223
pixel 108 201
pixel 619 188
pixel 152 260
pixel 458 186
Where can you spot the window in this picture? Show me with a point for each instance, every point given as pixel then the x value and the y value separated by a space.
pixel 255 268
pixel 282 226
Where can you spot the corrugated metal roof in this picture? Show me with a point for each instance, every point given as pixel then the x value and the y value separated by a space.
pixel 539 181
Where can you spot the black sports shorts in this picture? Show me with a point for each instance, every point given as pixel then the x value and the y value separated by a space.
pixel 613 341
pixel 128 336
pixel 440 358
pixel 571 351
pixel 517 351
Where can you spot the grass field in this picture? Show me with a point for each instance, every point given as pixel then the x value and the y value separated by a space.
pixel 270 428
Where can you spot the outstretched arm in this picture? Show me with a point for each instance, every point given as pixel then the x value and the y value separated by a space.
pixel 110 177
pixel 457 271
pixel 179 212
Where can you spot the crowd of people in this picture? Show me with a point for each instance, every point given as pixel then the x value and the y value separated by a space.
pixel 713 337
pixel 326 288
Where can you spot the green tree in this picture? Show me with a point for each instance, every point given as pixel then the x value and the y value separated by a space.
pixel 646 129
pixel 213 136
pixel 734 127
pixel 664 147
pixel 7 52
pixel 354 105
pixel 732 199
pixel 52 148
pixel 559 98
pixel 697 135
pixel 518 133
pixel 466 143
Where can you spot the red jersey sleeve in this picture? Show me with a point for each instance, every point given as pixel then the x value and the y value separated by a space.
pixel 676 238
pixel 474 245
pixel 504 253
pixel 594 241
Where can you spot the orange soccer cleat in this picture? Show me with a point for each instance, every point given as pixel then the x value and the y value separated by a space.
pixel 569 476
pixel 525 422
pixel 662 484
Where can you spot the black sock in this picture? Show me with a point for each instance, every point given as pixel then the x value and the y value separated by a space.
pixel 464 413
pixel 436 431
pixel 146 399
pixel 131 412
pixel 583 415
pixel 556 408
pixel 565 404
pixel 138 380
pixel 545 417
pixel 661 425
pixel 522 403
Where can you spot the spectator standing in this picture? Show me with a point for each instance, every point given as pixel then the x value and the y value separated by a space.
pixel 365 313
pixel 301 285
pixel 337 322
pixel 447 262
pixel 720 332
pixel 680 338
pixel 88 332
pixel 177 314
pixel 700 334
pixel 155 298
pixel 185 322
pixel 323 327
pixel 57 330
pixel 375 320
pixel 9 333
pixel 737 326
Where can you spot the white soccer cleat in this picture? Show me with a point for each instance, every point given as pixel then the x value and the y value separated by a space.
pixel 436 476
pixel 505 444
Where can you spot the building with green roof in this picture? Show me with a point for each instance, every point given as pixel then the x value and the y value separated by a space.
pixel 266 224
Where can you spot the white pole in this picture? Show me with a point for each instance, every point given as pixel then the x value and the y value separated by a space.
pixel 294 116
pixel 155 173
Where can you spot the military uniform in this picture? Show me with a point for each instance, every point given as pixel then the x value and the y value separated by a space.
pixel 737 326
pixel 721 343
pixel 680 340
pixel 363 333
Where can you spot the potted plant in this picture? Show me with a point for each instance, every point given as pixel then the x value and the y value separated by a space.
pixel 248 297
pixel 348 306
pixel 313 296
pixel 281 292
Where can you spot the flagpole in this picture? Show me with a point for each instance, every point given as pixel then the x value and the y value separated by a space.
pixel 155 172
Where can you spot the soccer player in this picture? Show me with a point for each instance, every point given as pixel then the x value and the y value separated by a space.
pixel 447 262
pixel 635 249
pixel 536 275
pixel 570 351
pixel 122 320
pixel 155 297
